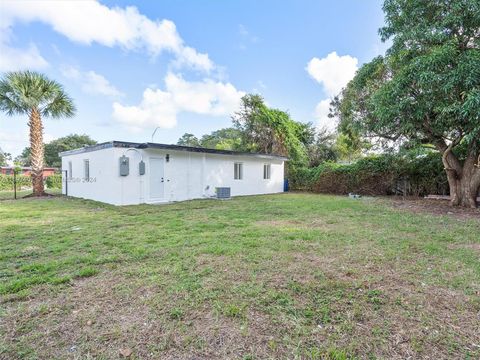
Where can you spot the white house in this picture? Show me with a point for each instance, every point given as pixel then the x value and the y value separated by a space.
pixel 126 173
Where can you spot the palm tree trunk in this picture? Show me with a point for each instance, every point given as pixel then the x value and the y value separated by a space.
pixel 36 151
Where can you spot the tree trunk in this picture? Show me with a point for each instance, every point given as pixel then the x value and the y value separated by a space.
pixel 36 151
pixel 463 180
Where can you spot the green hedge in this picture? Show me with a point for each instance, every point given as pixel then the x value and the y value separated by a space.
pixel 6 182
pixel 54 181
pixel 410 174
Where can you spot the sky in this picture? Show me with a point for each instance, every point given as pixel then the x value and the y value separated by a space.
pixel 183 65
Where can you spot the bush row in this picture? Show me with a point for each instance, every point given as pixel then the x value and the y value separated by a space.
pixel 385 174
pixel 54 181
pixel 6 182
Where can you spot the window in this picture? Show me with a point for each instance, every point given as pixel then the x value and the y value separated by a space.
pixel 266 171
pixel 86 167
pixel 70 175
pixel 238 171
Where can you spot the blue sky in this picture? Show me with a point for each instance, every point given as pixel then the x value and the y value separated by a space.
pixel 183 65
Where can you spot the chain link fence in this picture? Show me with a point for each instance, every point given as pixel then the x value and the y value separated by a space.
pixel 16 183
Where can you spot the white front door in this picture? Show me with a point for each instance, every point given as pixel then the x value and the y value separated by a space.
pixel 156 178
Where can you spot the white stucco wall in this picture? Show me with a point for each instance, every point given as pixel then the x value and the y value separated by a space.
pixel 187 175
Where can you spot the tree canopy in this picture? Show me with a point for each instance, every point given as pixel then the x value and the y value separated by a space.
pixel 69 142
pixel 271 131
pixel 223 139
pixel 22 91
pixel 259 128
pixel 188 139
pixel 426 89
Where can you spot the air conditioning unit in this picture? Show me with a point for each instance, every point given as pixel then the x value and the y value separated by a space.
pixel 222 192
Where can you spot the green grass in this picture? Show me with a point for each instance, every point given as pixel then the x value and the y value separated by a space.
pixel 10 195
pixel 282 276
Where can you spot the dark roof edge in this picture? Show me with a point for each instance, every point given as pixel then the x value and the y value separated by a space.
pixel 90 148
pixel 209 151
pixel 148 145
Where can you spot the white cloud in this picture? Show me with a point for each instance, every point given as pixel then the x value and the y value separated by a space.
pixel 333 72
pixel 161 107
pixel 88 22
pixel 321 114
pixel 97 84
pixel 91 82
pixel 12 59
pixel 13 142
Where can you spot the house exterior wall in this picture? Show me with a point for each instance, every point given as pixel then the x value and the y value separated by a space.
pixel 187 175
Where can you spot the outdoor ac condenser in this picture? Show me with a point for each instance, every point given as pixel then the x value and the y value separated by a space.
pixel 222 192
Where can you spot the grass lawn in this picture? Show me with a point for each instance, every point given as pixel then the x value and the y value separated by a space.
pixel 9 195
pixel 282 276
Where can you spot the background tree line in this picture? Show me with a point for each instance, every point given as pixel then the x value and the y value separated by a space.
pixel 52 148
pixel 422 98
pixel 259 128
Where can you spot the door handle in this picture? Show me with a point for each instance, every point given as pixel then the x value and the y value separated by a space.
pixel 161 180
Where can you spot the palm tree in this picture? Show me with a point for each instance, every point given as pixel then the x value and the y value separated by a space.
pixel 27 92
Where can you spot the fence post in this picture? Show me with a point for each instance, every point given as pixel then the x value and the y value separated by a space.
pixel 66 182
pixel 14 184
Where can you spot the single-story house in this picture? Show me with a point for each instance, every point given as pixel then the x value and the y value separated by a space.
pixel 27 171
pixel 126 173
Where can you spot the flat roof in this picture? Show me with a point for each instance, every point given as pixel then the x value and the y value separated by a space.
pixel 149 145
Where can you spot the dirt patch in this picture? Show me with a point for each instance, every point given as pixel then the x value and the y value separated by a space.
pixel 280 223
pixel 433 207
pixel 43 196
pixel 305 224
pixel 474 247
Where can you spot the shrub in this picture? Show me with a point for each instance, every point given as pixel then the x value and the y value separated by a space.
pixel 6 182
pixel 386 174
pixel 54 181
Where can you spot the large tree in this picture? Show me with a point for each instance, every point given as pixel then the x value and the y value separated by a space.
pixel 426 89
pixel 188 139
pixel 33 94
pixel 223 139
pixel 270 131
pixel 321 148
pixel 52 148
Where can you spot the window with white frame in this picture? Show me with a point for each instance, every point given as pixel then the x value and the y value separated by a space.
pixel 70 175
pixel 238 171
pixel 86 169
pixel 266 171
